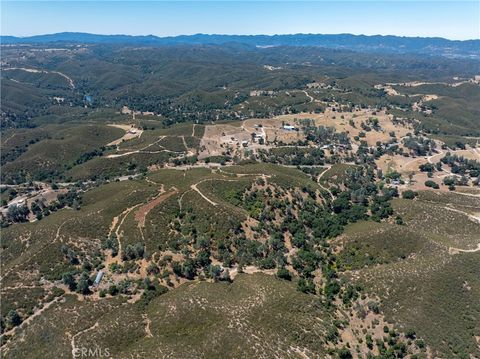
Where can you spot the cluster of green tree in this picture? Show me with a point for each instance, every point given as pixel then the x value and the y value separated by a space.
pixel 409 194
pixel 152 289
pixel 367 155
pixel 11 320
pixel 310 223
pixel 429 167
pixel 295 156
pixel 390 175
pixel 123 287
pixel 322 135
pixel 452 181
pixel 82 285
pixel 234 197
pixel 186 160
pixel 7 194
pixel 18 213
pixel 13 153
pixel 371 123
pixel 193 108
pixel 11 119
pixel 200 263
pixel 460 145
pixel 419 146
pixel 81 269
pixel 392 345
pixel 218 159
pixel 461 165
pixel 432 184
pixel 87 156
pixel 360 183
pixel 15 214
pixel 72 199
pixel 381 207
pixel 111 243
pixel 70 254
pixel 14 317
pixel 39 209
pixel 24 176
pixel 133 251
pixel 221 244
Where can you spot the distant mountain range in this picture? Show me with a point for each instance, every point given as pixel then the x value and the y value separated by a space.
pixel 382 44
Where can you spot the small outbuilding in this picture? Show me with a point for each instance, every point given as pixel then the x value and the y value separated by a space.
pixel 98 278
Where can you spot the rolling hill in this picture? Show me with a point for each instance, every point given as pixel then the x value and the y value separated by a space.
pixel 360 43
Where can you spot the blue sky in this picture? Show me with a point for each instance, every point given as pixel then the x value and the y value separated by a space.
pixel 449 19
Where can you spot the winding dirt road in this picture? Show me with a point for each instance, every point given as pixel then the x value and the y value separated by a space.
pixel 69 79
pixel 453 250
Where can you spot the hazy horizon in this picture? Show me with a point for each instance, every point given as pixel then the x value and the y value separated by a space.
pixel 220 34
pixel 446 19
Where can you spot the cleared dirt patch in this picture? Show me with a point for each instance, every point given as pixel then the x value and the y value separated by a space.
pixel 142 212
pixel 130 132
